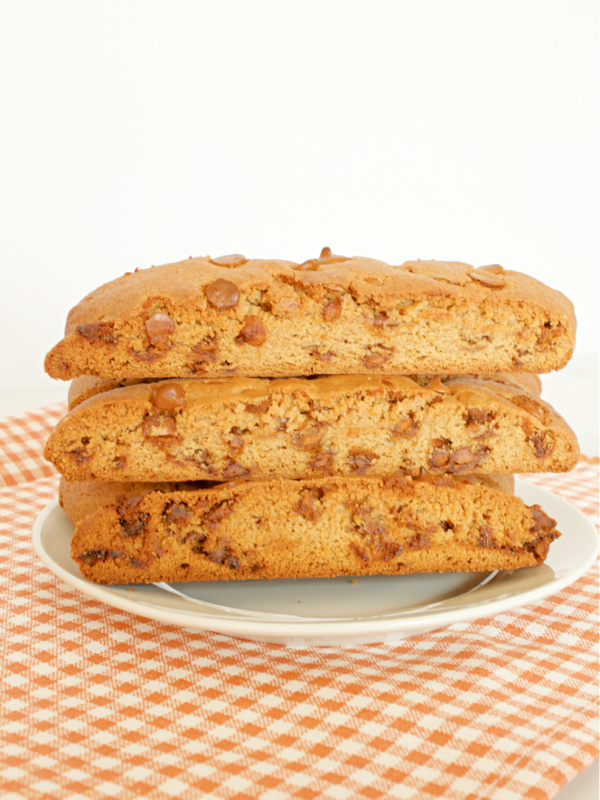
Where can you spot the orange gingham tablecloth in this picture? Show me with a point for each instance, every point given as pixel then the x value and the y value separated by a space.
pixel 98 703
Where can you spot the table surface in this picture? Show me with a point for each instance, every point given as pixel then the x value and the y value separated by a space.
pixel 576 400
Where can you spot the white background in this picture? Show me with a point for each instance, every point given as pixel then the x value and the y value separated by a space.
pixel 137 132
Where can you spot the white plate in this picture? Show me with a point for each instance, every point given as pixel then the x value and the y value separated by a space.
pixel 338 611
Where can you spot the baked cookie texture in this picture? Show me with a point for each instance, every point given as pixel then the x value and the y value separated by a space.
pixel 235 419
pixel 330 315
pixel 85 386
pixel 322 527
pixel 228 428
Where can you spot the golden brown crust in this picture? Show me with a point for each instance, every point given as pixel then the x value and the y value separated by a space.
pixel 85 386
pixel 226 428
pixel 313 528
pixel 275 318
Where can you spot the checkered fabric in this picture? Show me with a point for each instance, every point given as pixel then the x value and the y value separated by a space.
pixel 100 704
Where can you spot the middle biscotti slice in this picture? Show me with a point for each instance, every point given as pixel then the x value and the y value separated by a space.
pixel 223 429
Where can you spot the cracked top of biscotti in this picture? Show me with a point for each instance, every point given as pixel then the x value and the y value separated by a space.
pixel 329 315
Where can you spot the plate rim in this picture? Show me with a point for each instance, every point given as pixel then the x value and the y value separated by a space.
pixel 288 631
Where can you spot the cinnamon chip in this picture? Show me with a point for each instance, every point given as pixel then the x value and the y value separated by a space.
pixel 308 266
pixel 235 471
pixel 495 269
pixel 327 257
pixel 375 359
pixel 436 385
pixel 235 260
pixel 159 327
pixel 488 278
pixel 253 332
pixel 222 293
pixel 168 396
pixel 332 309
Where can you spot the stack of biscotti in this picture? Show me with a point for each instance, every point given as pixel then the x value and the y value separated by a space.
pixel 235 419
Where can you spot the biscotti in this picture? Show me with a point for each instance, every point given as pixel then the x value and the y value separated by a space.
pixel 86 386
pixel 228 428
pixel 329 315
pixel 314 528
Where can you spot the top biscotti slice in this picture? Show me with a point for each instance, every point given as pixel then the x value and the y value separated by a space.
pixel 225 428
pixel 330 315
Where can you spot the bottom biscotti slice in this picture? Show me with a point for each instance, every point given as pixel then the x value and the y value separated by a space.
pixel 325 527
